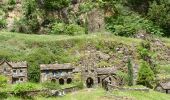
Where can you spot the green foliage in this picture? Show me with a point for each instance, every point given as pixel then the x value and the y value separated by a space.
pixel 144 51
pixel 79 84
pixel 159 13
pixel 130 73
pixel 56 4
pixel 145 75
pixel 21 89
pixel 3 81
pixel 69 29
pixel 51 85
pixel 86 6
pixel 2 23
pixel 25 25
pixel 128 25
pixel 38 56
pixel 29 8
pixel 11 2
pixel 123 76
pixel 140 6
pixel 29 23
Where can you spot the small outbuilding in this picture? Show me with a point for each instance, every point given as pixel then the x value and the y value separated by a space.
pixel 164 87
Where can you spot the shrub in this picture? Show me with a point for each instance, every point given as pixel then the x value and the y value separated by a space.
pixel 123 77
pixel 159 13
pixel 69 29
pixel 145 75
pixel 3 81
pixel 127 23
pixel 2 23
pixel 79 84
pixel 51 85
pixel 21 89
pixel 11 2
pixel 55 4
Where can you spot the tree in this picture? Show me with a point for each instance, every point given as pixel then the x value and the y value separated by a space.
pixel 130 73
pixel 159 13
pixel 145 75
pixel 55 4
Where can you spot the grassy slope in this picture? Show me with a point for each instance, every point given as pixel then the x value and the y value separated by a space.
pixel 100 94
pixel 17 46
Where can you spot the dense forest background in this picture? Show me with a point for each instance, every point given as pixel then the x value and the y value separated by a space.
pixel 74 17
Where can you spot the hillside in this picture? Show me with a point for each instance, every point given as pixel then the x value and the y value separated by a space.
pixel 45 49
pixel 49 47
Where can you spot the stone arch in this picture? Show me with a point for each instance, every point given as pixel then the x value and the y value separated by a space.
pixel 53 80
pixel 89 82
pixel 69 80
pixel 61 81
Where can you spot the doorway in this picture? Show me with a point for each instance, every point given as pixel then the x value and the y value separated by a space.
pixel 89 82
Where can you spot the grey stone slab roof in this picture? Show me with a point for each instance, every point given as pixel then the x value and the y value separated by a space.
pixel 165 85
pixel 108 70
pixel 18 64
pixel 22 64
pixel 55 66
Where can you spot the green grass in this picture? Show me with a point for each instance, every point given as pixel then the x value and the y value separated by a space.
pixel 136 95
pixel 100 94
pixel 18 46
pixel 164 71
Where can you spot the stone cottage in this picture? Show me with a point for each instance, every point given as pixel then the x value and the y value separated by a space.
pixel 61 73
pixel 99 76
pixel 16 72
pixel 164 87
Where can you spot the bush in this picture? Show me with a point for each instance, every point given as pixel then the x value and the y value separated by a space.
pixel 79 84
pixel 145 75
pixel 123 77
pixel 11 2
pixel 3 81
pixel 127 23
pixel 159 13
pixel 69 29
pixel 55 4
pixel 2 23
pixel 21 89
pixel 51 85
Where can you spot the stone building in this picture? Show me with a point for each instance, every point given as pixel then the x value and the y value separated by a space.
pixel 164 87
pixel 61 73
pixel 16 72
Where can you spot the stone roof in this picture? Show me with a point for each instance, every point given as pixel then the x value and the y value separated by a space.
pixel 108 70
pixel 166 85
pixel 22 64
pixel 55 66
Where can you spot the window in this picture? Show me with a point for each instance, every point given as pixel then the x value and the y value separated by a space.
pixel 47 72
pixel 21 79
pixel 21 71
pixel 5 69
pixel 14 71
pixel 92 70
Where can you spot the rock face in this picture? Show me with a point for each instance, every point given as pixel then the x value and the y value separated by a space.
pixel 96 20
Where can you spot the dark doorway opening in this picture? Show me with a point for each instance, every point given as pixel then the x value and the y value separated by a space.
pixel 15 80
pixel 89 82
pixel 98 79
pixel 69 80
pixel 61 81
pixel 53 81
